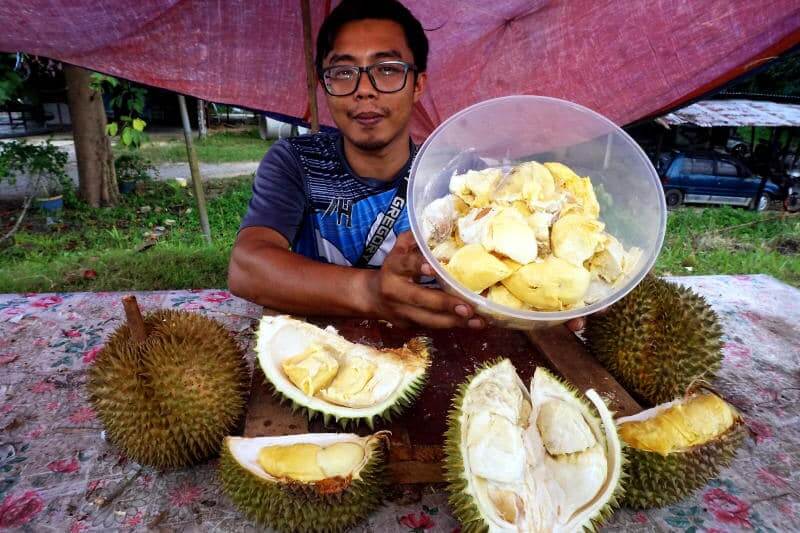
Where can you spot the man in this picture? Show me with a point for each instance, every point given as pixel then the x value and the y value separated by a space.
pixel 318 200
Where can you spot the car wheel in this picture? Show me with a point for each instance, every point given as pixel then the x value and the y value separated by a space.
pixel 763 202
pixel 674 197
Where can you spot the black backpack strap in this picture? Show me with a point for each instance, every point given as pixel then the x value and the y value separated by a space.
pixel 390 216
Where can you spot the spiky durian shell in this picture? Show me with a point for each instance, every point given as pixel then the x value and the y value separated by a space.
pixel 461 502
pixel 655 480
pixel 169 401
pixel 299 507
pixel 405 400
pixel 657 340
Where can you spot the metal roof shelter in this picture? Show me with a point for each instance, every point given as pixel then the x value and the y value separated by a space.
pixel 721 113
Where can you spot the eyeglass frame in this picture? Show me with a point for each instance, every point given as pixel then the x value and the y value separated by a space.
pixel 407 66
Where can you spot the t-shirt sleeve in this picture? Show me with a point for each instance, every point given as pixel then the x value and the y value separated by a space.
pixel 279 199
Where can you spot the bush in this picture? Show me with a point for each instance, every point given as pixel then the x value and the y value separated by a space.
pixel 133 166
pixel 45 165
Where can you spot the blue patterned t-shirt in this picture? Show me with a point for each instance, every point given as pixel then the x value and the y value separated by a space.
pixel 305 190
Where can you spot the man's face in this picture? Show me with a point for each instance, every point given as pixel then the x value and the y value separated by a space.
pixel 368 118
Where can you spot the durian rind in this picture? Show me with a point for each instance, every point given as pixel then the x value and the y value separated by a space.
pixel 655 480
pixel 169 401
pixel 304 507
pixel 462 499
pixel 414 357
pixel 658 340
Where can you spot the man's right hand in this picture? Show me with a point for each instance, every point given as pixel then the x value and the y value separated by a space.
pixel 392 294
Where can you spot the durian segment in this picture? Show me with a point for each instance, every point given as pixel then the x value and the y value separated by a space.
pixel 500 295
pixel 439 219
pixel 551 284
pixel 294 461
pixel 476 188
pixel 370 382
pixel 311 370
pixel 496 450
pixel 355 386
pixel 540 222
pixel 472 228
pixel 561 492
pixel 477 269
pixel 563 428
pixel 678 426
pixel 580 189
pixel 609 262
pixel 353 486
pixel 340 459
pixel 684 458
pixel 445 250
pixel 292 457
pixel 575 238
pixel 509 235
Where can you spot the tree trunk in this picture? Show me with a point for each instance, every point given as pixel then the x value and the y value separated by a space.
pixel 96 176
pixel 202 127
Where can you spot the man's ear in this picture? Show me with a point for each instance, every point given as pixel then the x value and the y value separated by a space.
pixel 420 82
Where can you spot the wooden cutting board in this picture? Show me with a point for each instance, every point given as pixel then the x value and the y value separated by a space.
pixel 417 436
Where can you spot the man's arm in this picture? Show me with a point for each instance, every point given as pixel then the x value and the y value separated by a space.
pixel 264 270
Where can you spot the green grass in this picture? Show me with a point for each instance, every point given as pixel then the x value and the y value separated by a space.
pixel 222 147
pixel 104 242
pixel 64 257
pixel 694 243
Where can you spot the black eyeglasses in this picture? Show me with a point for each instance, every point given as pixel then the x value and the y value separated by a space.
pixel 386 77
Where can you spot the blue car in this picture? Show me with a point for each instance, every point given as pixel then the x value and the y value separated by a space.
pixel 711 178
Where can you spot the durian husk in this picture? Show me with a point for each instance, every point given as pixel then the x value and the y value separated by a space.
pixel 655 480
pixel 462 503
pixel 321 507
pixel 658 340
pixel 168 401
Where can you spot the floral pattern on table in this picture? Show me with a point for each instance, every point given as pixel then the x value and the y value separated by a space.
pixel 57 472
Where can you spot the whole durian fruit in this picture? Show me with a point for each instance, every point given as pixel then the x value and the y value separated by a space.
pixel 314 482
pixel 169 392
pixel 676 448
pixel 538 458
pixel 657 340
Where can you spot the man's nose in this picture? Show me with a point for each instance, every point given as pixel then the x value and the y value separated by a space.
pixel 365 88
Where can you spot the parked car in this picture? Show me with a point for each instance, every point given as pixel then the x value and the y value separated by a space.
pixel 711 178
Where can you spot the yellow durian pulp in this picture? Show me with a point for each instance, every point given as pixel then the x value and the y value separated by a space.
pixel 311 370
pixel 310 462
pixel 477 269
pixel 350 382
pixel 576 237
pixel 552 284
pixel 579 188
pixel 681 426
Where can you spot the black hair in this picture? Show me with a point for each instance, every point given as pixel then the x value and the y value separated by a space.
pixel 352 10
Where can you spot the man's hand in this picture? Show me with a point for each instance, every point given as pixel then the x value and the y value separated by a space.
pixel 393 295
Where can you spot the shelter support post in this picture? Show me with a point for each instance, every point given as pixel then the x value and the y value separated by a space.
pixel 311 75
pixel 197 182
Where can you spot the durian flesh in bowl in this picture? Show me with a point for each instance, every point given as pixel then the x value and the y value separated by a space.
pixel 535 210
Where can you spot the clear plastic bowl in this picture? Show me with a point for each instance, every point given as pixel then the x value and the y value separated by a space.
pixel 513 129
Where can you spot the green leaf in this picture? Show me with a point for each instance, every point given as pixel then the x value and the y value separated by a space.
pixel 139 124
pixel 126 136
pixel 112 128
pixel 125 118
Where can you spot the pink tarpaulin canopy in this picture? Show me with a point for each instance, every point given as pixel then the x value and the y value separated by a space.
pixel 627 60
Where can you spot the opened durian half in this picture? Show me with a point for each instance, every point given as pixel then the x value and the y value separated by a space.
pixel 538 460
pixel 310 482
pixel 677 447
pixel 322 372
